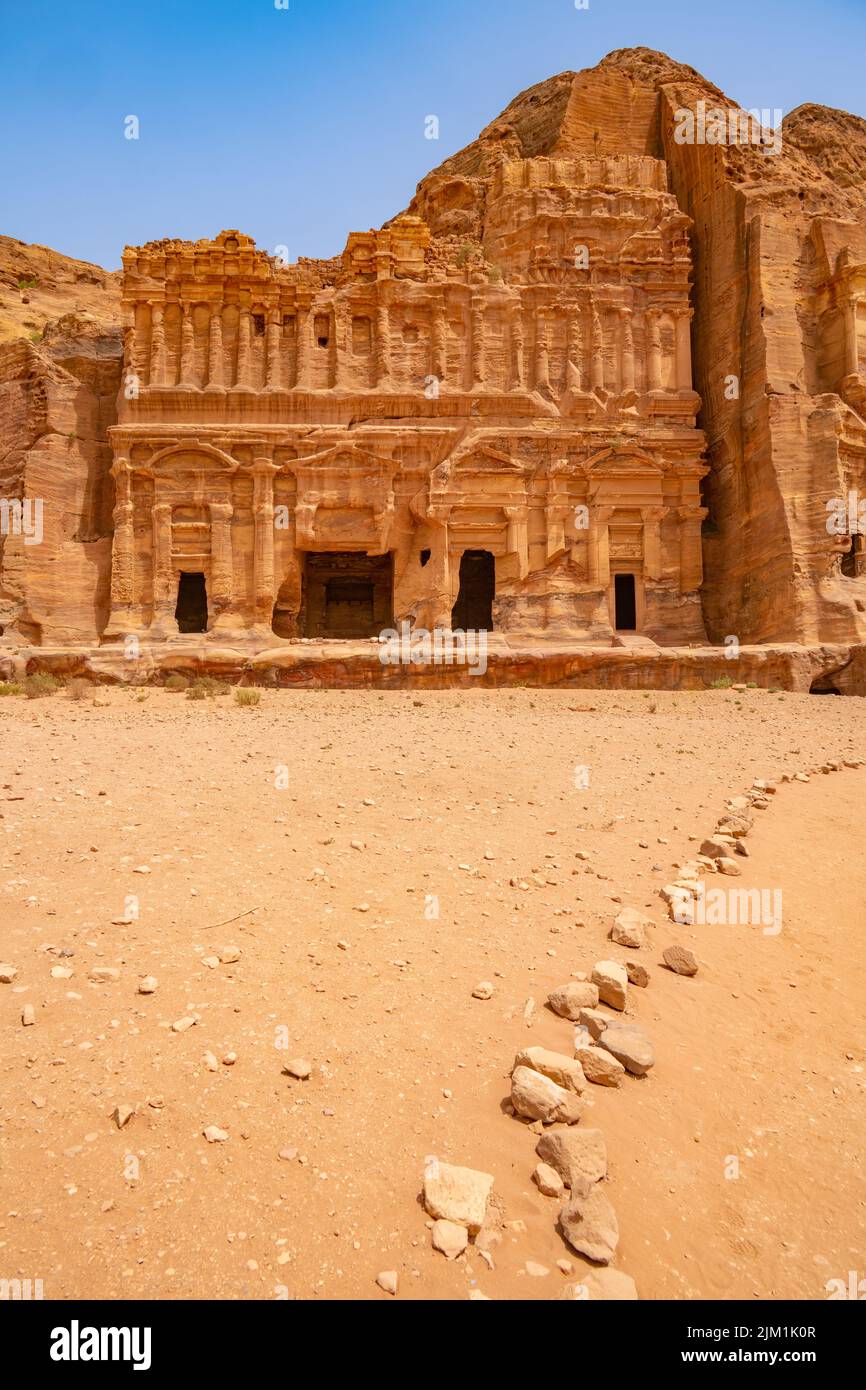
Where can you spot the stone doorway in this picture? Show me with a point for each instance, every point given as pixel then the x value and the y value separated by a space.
pixel 191 610
pixel 347 595
pixel 473 611
pixel 625 603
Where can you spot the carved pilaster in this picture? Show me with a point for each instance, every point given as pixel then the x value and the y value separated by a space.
pixel 654 350
pixel 439 354
pixel 684 350
pixel 852 346
pixel 652 541
pixel 303 345
pixel 476 320
pixel 383 346
pixel 163 587
pixel 518 538
pixel 575 348
pixel 242 375
pixel 273 347
pixel 215 376
pixel 596 369
pixel 123 591
pixel 157 346
pixel 222 571
pixel 187 347
pixel 691 561
pixel 263 556
pixel 627 370
pixel 542 353
pixel 517 343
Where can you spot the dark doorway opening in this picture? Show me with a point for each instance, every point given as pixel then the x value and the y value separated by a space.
pixel 347 595
pixel 191 611
pixel 625 619
pixel 850 560
pixel 473 611
pixel 824 685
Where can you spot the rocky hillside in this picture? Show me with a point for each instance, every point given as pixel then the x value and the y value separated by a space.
pixel 38 285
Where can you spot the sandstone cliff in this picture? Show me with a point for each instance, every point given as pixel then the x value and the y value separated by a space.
pixel 774 233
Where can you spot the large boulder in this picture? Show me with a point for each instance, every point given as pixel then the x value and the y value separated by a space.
pixel 536 1097
pixel 579 1156
pixel 457 1194
pixel 589 1225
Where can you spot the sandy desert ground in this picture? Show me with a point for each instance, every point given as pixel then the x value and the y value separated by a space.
pixel 333 820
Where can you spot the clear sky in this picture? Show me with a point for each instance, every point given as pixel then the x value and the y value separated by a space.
pixel 300 125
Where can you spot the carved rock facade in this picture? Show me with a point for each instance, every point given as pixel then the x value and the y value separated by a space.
pixel 506 433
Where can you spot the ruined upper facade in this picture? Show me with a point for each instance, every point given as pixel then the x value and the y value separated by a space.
pixel 594 380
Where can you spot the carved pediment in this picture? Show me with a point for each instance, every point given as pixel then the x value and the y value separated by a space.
pixel 189 457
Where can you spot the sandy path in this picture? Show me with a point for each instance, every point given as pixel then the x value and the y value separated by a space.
pixel 380 1002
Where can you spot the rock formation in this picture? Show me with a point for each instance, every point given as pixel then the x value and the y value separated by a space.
pixel 605 375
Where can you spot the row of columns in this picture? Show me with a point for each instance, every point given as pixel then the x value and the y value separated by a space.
pixel 591 367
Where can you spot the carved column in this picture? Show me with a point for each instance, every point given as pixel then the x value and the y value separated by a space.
pixel 263 556
pixel 157 346
pixel 303 332
pixel 383 346
pixel 691 564
pixel 215 376
pixel 342 331
pixel 164 601
pixel 575 348
pixel 187 347
pixel 518 349
pixel 476 319
pixel 684 350
pixel 439 355
pixel 242 375
pixel 542 352
pixel 627 344
pixel 852 347
pixel 596 369
pixel 654 353
pixel 221 567
pixel 273 345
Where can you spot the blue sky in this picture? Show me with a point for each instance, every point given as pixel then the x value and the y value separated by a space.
pixel 299 125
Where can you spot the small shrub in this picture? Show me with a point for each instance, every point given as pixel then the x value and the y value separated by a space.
pixel 11 688
pixel 723 683
pixel 196 692
pixel 209 685
pixel 246 696
pixel 40 684
pixel 176 682
pixel 78 689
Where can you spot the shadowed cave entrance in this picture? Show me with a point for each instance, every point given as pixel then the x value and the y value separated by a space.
pixel 191 610
pixel 473 611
